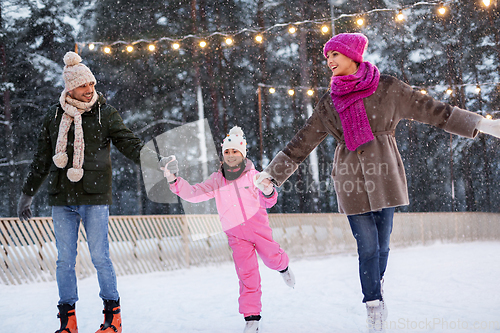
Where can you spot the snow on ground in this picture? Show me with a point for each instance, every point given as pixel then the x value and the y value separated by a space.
pixel 437 288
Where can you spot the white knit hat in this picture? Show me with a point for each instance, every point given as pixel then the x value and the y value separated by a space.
pixel 235 140
pixel 75 73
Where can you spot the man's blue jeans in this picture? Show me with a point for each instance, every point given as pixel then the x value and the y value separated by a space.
pixel 66 221
pixel 372 232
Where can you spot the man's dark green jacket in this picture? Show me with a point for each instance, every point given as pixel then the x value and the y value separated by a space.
pixel 101 126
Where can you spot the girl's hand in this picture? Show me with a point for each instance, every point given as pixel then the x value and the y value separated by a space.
pixel 268 187
pixel 259 178
pixel 170 167
pixel 262 181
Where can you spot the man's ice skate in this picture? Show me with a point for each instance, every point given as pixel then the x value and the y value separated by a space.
pixel 252 324
pixel 288 277
pixel 375 321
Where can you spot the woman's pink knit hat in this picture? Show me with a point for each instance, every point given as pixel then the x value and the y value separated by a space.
pixel 352 45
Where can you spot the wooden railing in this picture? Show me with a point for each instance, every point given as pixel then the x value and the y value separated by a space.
pixel 143 244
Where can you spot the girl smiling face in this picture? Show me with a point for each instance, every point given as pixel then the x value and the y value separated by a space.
pixel 233 157
pixel 341 64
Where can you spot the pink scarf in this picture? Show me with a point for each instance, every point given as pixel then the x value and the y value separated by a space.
pixel 73 110
pixel 347 94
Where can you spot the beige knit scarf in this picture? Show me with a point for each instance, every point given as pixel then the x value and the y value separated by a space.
pixel 73 110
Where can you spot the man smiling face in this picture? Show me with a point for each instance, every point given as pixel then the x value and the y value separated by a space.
pixel 83 93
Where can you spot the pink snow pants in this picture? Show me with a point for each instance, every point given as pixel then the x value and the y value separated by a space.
pixel 245 240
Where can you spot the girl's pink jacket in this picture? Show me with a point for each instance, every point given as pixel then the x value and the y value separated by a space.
pixel 238 201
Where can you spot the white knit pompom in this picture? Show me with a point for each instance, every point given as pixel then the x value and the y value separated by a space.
pixel 75 174
pixel 236 130
pixel 72 59
pixel 60 160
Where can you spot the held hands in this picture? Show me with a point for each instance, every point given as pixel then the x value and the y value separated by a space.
pixel 170 167
pixel 263 182
pixel 489 126
pixel 24 207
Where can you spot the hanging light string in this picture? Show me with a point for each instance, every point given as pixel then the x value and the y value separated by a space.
pixel 258 31
pixel 423 89
pixel 311 91
pixel 272 89
pixel 450 90
pixel 399 16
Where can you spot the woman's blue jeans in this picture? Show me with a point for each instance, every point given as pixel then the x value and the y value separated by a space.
pixel 372 232
pixel 66 221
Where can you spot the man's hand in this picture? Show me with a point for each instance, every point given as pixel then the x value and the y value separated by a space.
pixel 489 126
pixel 24 207
pixel 262 181
pixel 170 167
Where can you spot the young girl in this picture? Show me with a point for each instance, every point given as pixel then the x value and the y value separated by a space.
pixel 242 212
pixel 361 112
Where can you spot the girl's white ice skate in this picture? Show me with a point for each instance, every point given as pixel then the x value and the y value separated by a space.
pixel 252 326
pixel 288 277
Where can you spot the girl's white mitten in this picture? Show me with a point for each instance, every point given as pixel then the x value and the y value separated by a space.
pixel 258 178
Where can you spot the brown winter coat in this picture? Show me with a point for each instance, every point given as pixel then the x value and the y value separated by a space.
pixel 373 176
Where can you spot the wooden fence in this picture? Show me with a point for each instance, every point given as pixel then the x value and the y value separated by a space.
pixel 142 244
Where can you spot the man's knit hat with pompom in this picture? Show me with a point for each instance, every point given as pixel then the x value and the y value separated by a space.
pixel 235 140
pixel 75 73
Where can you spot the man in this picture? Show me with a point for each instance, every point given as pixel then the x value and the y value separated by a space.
pixel 74 152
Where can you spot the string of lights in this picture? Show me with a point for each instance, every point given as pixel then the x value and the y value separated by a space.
pixel 272 89
pixel 260 33
pixel 359 19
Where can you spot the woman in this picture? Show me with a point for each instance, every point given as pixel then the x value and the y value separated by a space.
pixel 361 112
